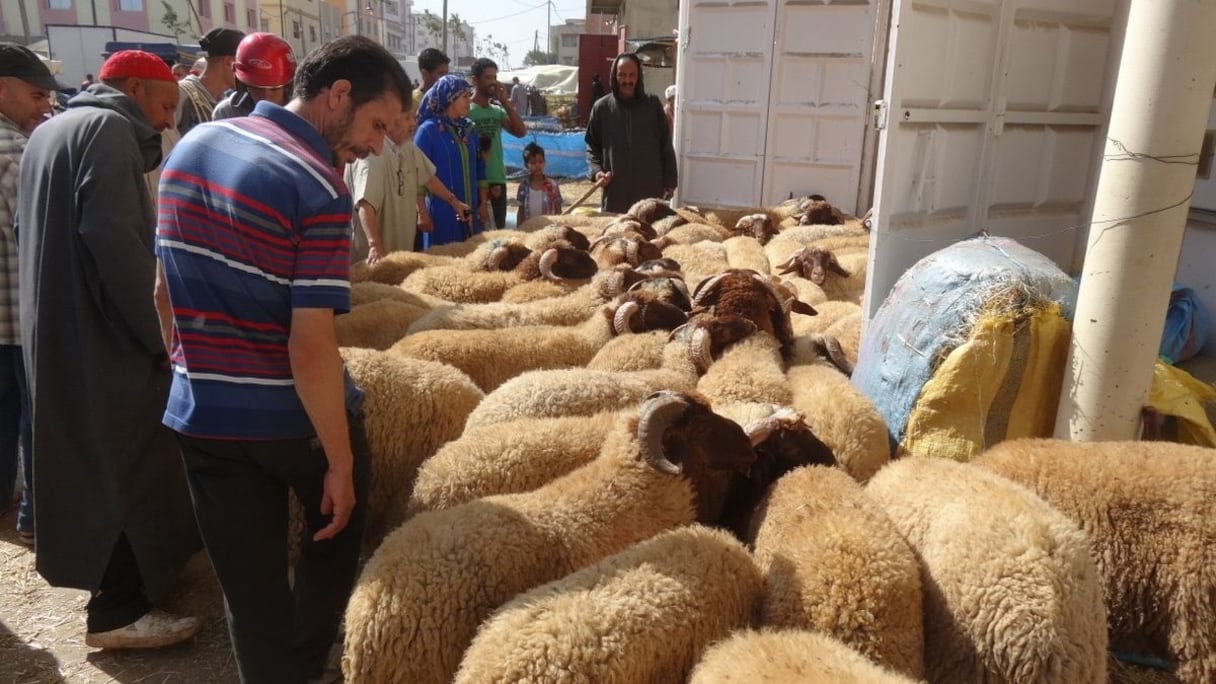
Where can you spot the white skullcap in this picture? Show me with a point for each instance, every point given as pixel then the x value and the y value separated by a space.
pixel 670 92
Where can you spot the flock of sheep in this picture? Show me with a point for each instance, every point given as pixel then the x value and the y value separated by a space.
pixel 627 449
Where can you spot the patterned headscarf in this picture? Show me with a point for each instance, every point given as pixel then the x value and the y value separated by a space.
pixel 441 96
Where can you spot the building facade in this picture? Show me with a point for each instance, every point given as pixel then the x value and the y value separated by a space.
pixel 563 40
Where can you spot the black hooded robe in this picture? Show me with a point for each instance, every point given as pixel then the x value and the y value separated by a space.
pixel 631 139
pixel 103 463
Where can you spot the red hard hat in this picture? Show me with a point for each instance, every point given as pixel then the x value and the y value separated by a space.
pixel 264 60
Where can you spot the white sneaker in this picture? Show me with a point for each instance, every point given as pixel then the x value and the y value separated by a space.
pixel 154 630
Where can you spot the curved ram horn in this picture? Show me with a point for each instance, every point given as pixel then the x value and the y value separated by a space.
pixel 622 320
pixel 546 264
pixel 659 411
pixel 706 288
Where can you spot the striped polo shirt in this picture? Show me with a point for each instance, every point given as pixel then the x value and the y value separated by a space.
pixel 253 222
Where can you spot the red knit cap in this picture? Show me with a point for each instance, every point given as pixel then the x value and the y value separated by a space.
pixel 136 64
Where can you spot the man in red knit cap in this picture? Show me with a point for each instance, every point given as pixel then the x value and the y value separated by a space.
pixel 112 508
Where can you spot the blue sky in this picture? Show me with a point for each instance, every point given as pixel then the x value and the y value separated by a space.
pixel 511 22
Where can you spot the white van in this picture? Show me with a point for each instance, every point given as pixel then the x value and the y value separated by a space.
pixel 410 64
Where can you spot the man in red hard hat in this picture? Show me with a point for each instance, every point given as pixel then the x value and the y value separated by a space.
pixel 264 68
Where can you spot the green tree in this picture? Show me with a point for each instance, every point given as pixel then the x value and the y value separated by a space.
pixel 432 25
pixel 175 24
pixel 487 47
pixel 535 57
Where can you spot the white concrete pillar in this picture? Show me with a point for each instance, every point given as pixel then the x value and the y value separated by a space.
pixel 1161 104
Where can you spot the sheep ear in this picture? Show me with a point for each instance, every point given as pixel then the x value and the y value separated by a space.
pixel 835 267
pixel 800 307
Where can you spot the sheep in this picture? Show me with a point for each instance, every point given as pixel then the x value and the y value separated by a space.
pixel 841 416
pixel 570 309
pixel 575 392
pixel 627 226
pixel 729 218
pixel 650 210
pixel 824 268
pixel 421 596
pixel 808 235
pixel 745 252
pixel 491 357
pixel 834 563
pixel 458 284
pixel 699 261
pixel 846 330
pixel 490 460
pixel 1010 591
pixel 642 615
pixel 394 267
pixel 783 442
pixel 610 250
pixel 368 292
pixel 410 408
pixel 827 313
pixel 785 657
pixel 577 221
pixel 539 290
pixel 691 233
pixel 377 325
pixel 747 294
pixel 760 227
pixel 1148 508
pixel 818 212
pixel 750 370
pixel 627 353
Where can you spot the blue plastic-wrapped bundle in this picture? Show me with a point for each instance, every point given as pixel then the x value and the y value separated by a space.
pixel 933 309
pixel 1186 325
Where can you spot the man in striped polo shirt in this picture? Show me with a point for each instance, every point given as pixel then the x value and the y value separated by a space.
pixel 253 239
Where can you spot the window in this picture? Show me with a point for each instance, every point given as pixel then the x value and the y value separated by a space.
pixel 229 13
pixel 312 32
pixel 265 26
pixel 251 19
pixel 570 40
pixel 295 29
pixel 59 4
pixel 204 8
pixel 130 5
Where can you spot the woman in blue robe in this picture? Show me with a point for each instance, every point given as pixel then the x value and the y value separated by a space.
pixel 446 136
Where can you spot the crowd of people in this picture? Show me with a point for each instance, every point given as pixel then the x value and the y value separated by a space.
pixel 176 244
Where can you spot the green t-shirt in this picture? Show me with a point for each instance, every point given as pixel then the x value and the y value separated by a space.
pixel 489 122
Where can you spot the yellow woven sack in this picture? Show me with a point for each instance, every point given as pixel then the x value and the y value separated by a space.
pixel 1175 392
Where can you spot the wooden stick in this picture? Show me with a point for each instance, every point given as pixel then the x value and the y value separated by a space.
pixel 578 202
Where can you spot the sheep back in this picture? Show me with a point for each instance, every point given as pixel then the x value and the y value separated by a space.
pixel 642 615
pixel 750 370
pixel 744 251
pixel 641 351
pixel 421 596
pixel 1148 508
pixel 376 325
pixel 410 409
pixel 1010 591
pixel 833 563
pixel 788 657
pixel 506 459
pixel 843 417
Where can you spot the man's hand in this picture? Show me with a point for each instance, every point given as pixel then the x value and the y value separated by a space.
pixel 500 93
pixel 603 178
pixel 425 224
pixel 338 500
pixel 668 193
pixel 373 255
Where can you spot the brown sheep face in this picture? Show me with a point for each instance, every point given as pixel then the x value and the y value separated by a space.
pixel 814 264
pixel 650 210
pixel 747 294
pixel 782 442
pixel 576 239
pixel 639 311
pixel 506 256
pixel 818 212
pixel 758 226
pixel 566 263
pixel 679 434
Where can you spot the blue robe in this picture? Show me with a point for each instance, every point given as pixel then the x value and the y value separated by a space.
pixel 451 158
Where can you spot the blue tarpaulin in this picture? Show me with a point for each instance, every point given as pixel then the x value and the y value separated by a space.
pixel 565 153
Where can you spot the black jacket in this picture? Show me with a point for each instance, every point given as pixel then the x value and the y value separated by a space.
pixel 630 138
